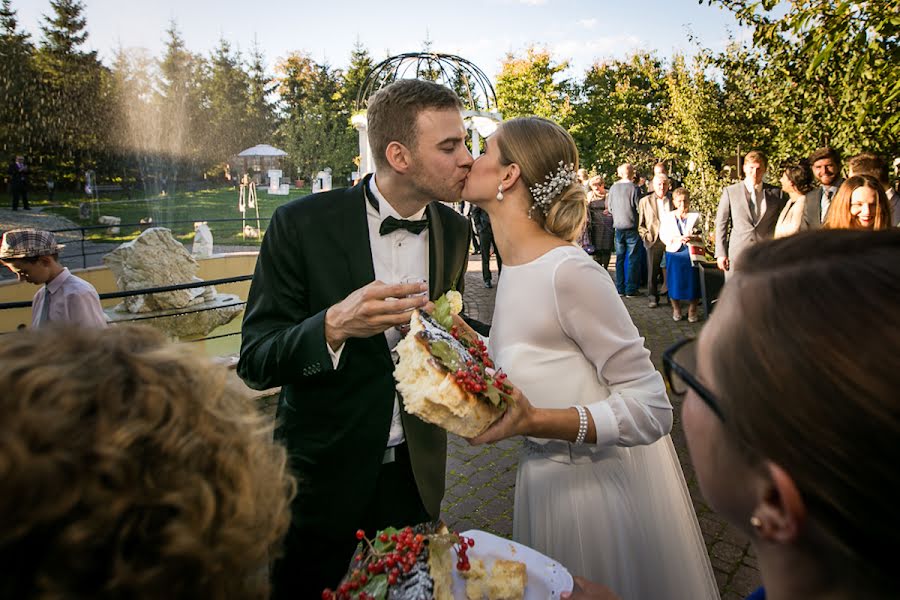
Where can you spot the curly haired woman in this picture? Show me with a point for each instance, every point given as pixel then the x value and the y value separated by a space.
pixel 129 470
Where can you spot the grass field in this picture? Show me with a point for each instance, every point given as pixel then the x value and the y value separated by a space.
pixel 177 212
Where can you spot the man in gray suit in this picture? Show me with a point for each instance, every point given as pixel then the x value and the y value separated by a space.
pixel 752 207
pixel 826 166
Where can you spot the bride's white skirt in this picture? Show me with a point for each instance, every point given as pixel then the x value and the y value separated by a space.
pixel 618 516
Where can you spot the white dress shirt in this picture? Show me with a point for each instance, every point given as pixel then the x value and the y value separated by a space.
pixel 397 256
pixel 757 198
pixel 72 299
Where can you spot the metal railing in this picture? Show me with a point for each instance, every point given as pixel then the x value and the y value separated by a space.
pixel 83 229
pixel 157 290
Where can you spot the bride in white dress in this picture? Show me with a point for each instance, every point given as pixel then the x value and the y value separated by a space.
pixel 599 487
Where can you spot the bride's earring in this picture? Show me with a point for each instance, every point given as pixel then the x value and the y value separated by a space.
pixel 500 193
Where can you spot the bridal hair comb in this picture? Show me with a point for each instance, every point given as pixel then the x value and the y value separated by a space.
pixel 554 184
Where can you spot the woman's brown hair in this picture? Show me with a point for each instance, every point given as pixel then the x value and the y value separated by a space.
pixel 839 216
pixel 538 145
pixel 130 470
pixel 805 367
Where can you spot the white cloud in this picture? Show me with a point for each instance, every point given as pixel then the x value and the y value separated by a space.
pixel 588 23
pixel 582 53
pixel 533 2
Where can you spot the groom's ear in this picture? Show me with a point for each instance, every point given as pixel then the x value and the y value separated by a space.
pixel 398 156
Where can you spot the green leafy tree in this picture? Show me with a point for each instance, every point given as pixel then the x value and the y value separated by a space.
pixel 534 85
pixel 693 132
pixel 831 66
pixel 618 110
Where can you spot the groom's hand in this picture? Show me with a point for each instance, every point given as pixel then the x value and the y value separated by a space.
pixel 371 310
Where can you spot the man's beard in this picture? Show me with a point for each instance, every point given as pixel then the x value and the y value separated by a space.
pixel 433 190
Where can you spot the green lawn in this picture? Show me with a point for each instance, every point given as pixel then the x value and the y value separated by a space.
pixel 169 211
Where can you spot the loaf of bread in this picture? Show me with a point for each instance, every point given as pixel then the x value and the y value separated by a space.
pixel 447 380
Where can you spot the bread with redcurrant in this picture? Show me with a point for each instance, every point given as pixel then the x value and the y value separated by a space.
pixel 448 379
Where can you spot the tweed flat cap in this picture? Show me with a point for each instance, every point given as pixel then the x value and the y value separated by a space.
pixel 27 243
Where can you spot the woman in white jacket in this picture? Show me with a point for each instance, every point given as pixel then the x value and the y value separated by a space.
pixel 678 228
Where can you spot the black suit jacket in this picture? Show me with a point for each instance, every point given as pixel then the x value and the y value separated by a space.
pixel 335 422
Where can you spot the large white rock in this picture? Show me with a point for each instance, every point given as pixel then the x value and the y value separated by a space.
pixel 155 259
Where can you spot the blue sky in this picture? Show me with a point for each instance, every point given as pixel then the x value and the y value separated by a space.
pixel 482 31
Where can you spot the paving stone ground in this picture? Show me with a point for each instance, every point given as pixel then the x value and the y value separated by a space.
pixel 481 480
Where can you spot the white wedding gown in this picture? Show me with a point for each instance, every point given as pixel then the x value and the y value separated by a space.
pixel 617 512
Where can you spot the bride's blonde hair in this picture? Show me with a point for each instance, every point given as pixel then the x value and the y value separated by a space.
pixel 537 145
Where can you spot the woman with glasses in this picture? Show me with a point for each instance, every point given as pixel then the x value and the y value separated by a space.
pixel 792 413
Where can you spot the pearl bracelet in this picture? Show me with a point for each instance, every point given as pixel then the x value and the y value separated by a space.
pixel 582 425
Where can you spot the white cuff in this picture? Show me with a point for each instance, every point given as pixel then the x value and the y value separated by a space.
pixel 335 354
pixel 605 423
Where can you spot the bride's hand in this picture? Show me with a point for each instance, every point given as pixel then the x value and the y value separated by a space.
pixel 515 421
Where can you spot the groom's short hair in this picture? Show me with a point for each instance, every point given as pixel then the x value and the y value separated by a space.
pixel 393 110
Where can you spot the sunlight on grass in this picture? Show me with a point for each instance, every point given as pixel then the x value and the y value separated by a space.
pixel 168 211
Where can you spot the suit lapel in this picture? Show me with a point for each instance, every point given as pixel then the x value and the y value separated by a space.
pixel 436 251
pixel 354 236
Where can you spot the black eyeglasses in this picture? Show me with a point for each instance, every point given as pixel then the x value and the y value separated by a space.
pixel 680 378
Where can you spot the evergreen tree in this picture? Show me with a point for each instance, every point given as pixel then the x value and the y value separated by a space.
pixel 360 66
pixel 180 101
pixel 227 93
pixel 18 84
pixel 74 94
pixel 260 110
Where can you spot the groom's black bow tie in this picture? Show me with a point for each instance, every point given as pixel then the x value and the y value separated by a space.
pixel 391 224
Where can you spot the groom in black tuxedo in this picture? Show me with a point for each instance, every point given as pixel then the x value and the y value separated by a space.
pixel 321 320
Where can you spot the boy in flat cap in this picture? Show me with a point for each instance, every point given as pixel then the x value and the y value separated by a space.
pixel 33 256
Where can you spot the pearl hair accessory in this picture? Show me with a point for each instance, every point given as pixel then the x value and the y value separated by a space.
pixel 582 425
pixel 500 193
pixel 554 184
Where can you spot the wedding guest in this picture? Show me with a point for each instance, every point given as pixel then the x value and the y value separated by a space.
pixel 622 201
pixel 747 212
pixel 814 490
pixel 826 166
pixel 600 222
pixel 796 182
pixel 130 469
pixel 861 203
pixel 678 230
pixel 598 465
pixel 651 210
pixel 867 163
pixel 18 183
pixel 33 256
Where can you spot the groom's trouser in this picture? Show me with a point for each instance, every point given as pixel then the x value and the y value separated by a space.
pixel 314 560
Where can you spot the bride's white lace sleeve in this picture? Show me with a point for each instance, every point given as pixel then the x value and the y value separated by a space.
pixel 590 312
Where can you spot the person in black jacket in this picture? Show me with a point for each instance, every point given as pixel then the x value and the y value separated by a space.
pixel 323 314
pixel 18 182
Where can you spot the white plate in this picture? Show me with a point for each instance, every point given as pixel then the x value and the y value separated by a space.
pixel 547 579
